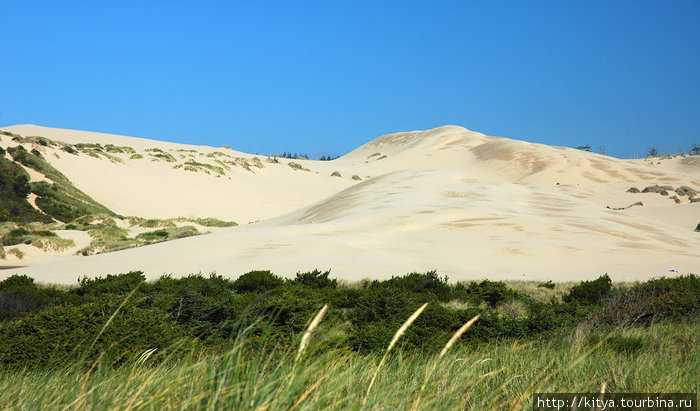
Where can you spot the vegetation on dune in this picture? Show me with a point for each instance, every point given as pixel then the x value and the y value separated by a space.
pixel 46 240
pixel 107 236
pixel 110 148
pixel 59 199
pixel 161 156
pixel 665 190
pixel 195 166
pixel 14 190
pixel 209 222
pixel 297 166
pixel 170 223
pixel 16 252
pixel 167 234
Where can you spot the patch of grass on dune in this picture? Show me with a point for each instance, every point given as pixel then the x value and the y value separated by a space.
pixel 209 222
pixel 43 239
pixel 296 166
pixel 166 234
pixel 110 148
pixel 59 199
pixel 107 236
pixel 197 167
pixel 161 156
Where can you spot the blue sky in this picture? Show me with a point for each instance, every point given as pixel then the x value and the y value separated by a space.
pixel 328 76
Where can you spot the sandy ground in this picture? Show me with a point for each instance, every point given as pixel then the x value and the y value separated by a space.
pixel 468 205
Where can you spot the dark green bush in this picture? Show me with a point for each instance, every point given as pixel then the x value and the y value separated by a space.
pixel 549 285
pixel 14 186
pixel 16 236
pixel 316 279
pixel 257 282
pixel 64 334
pixel 19 294
pixel 492 292
pixel 676 299
pixel 425 283
pixel 119 284
pixel 154 235
pixel 21 186
pixel 590 292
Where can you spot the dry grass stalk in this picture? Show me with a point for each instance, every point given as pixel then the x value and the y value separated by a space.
pixel 398 335
pixel 307 392
pixel 307 334
pixel 446 348
pixel 458 334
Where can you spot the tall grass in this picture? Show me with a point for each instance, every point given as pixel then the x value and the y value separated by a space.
pixel 257 374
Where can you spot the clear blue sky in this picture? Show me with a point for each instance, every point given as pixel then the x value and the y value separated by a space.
pixel 328 76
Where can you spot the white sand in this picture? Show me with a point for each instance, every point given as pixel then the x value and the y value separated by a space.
pixel 468 205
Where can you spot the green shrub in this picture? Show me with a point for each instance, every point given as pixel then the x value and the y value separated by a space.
pixel 257 282
pixel 335 174
pixel 16 236
pixel 491 292
pixel 548 285
pixel 663 190
pixel 316 279
pixel 119 284
pixel 676 299
pixel 590 292
pixel 157 235
pixel 14 189
pixel 65 334
pixel 19 294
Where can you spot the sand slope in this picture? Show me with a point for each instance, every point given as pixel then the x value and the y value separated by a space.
pixel 466 204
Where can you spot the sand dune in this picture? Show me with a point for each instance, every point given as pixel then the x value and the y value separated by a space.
pixel 466 204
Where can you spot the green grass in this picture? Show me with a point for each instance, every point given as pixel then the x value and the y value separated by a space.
pixel 110 148
pixel 161 156
pixel 296 166
pixel 107 236
pixel 197 167
pixel 166 234
pixel 250 376
pixel 209 222
pixel 16 252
